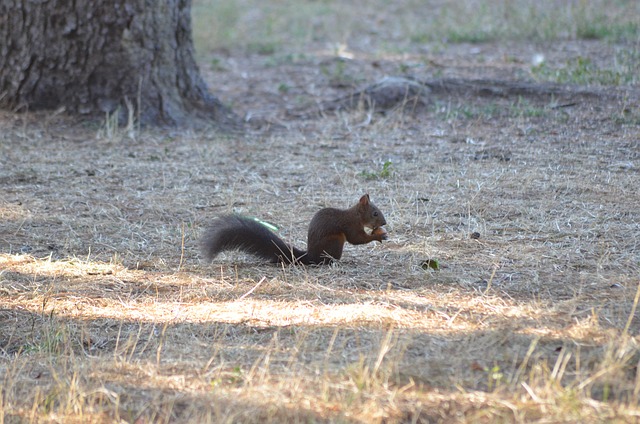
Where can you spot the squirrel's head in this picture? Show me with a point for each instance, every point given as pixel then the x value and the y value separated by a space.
pixel 372 217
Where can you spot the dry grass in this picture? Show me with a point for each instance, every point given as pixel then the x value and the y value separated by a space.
pixel 108 314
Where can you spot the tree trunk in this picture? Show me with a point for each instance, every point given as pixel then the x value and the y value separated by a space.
pixel 92 57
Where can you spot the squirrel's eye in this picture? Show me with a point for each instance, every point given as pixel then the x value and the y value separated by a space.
pixel 375 214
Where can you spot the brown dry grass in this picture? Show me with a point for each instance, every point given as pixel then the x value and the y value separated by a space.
pixel 108 314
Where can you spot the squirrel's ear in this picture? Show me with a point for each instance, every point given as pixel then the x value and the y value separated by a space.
pixel 364 200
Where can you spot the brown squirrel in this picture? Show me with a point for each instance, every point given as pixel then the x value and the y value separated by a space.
pixel 329 229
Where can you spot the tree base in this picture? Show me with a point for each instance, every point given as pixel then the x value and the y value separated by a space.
pixel 99 57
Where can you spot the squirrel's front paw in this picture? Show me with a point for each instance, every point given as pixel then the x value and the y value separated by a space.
pixel 379 234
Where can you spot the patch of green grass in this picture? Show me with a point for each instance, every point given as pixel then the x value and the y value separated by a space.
pixel 460 22
pixel 267 27
pixel 432 263
pixel 215 24
pixel 524 108
pixel 283 88
pixel 590 25
pixel 472 36
pixel 593 31
pixel 582 71
pixel 260 27
pixel 47 336
pixel 486 21
pixel 383 174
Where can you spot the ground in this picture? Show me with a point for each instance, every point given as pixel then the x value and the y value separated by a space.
pixel 508 288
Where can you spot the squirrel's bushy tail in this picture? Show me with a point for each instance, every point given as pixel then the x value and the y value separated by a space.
pixel 231 232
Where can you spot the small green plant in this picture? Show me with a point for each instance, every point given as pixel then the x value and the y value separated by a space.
pixel 237 376
pixel 47 336
pixel 217 65
pixel 337 74
pixel 432 263
pixel 215 383
pixel 51 400
pixel 283 88
pixel 494 377
pixel 386 169
pixel 385 173
pixel 404 68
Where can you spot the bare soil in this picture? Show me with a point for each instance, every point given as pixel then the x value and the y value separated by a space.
pixel 529 204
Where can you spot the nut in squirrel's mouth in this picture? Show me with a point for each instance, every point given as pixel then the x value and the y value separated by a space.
pixel 370 230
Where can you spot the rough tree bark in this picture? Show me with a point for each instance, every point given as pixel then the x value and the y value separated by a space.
pixel 91 57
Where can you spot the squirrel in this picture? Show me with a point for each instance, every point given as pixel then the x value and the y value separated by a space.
pixel 329 229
